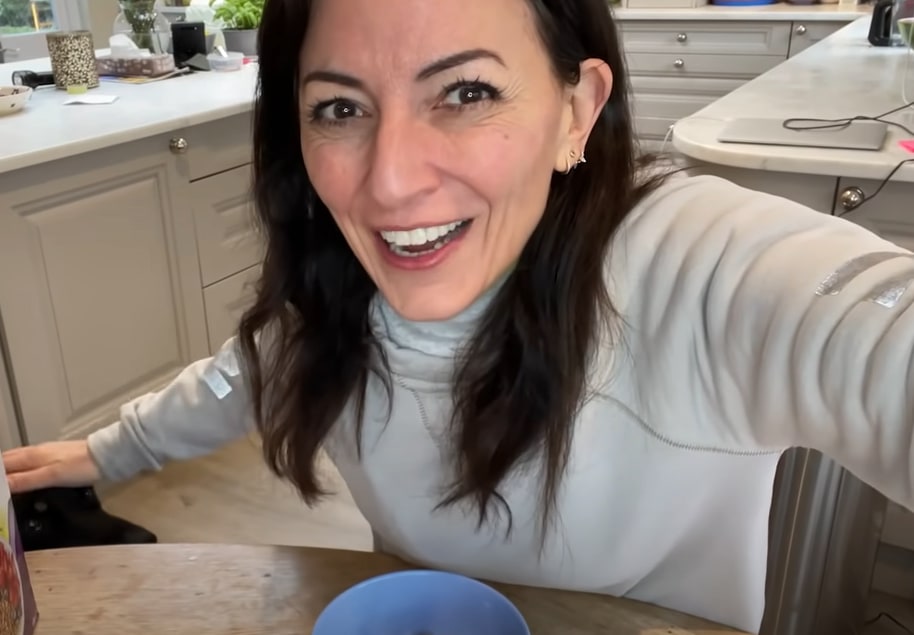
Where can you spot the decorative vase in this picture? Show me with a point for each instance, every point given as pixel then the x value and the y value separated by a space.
pixel 141 21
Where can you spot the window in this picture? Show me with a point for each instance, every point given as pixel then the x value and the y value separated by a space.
pixel 24 23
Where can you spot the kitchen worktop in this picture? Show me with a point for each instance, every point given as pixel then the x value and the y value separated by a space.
pixel 47 130
pixel 776 12
pixel 841 76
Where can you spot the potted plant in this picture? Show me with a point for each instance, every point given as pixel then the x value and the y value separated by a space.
pixel 241 19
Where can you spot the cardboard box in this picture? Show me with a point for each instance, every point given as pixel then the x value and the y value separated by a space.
pixel 18 613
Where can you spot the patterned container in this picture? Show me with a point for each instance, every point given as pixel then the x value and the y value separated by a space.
pixel 18 613
pixel 73 59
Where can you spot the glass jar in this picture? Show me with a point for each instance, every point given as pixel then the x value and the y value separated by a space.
pixel 141 21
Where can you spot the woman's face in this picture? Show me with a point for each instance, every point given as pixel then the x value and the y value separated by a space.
pixel 431 129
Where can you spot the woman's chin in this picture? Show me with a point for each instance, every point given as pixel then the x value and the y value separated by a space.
pixel 417 305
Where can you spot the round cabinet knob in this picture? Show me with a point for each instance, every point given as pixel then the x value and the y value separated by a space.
pixel 178 145
pixel 682 37
pixel 678 63
pixel 851 198
pixel 800 30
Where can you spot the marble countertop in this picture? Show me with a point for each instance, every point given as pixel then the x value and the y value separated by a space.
pixel 770 12
pixel 46 130
pixel 841 76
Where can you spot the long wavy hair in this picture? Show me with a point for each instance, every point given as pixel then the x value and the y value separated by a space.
pixel 523 377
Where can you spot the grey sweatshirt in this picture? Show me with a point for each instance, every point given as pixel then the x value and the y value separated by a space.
pixel 750 324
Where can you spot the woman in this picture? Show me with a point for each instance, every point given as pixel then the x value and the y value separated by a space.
pixel 527 367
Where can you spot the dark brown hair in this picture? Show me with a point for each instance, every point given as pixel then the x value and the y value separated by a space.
pixel 519 385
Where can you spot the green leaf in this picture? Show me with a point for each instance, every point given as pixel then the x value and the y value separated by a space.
pixel 240 14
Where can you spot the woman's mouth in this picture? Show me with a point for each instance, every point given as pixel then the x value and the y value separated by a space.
pixel 423 240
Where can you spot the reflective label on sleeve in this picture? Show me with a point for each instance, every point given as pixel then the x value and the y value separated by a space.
pixel 840 277
pixel 216 382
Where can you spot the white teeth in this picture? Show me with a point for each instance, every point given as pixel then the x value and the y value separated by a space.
pixel 419 236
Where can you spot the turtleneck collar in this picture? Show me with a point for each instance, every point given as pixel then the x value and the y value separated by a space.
pixel 426 350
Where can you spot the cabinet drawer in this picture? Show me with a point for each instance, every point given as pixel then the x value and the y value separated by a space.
pixel 717 37
pixel 691 65
pixel 223 218
pixel 226 301
pixel 216 146
pixel 805 34
pixel 659 102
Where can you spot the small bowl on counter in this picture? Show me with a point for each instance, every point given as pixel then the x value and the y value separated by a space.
pixel 231 61
pixel 13 99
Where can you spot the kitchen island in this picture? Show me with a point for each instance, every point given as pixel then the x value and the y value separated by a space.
pixel 843 76
pixel 126 247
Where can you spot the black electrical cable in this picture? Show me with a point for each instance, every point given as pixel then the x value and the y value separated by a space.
pixel 806 123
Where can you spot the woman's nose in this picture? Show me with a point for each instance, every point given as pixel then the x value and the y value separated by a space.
pixel 401 170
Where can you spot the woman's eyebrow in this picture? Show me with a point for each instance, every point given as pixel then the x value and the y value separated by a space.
pixel 438 66
pixel 457 59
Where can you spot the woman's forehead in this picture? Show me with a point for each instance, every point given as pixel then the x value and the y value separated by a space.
pixel 408 34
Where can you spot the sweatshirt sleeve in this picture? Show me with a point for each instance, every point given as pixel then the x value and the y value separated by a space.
pixel 766 325
pixel 206 406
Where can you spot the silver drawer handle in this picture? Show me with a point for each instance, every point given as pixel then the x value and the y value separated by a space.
pixel 678 63
pixel 800 30
pixel 178 145
pixel 682 37
pixel 851 198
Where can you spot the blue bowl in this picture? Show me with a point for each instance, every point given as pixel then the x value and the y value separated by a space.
pixel 420 603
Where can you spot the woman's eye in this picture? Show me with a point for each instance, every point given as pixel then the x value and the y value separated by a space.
pixel 466 94
pixel 335 111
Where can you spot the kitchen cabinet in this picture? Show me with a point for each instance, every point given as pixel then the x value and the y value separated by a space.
pixel 102 284
pixel 678 67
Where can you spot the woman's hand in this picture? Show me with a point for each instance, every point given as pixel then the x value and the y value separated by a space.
pixel 54 464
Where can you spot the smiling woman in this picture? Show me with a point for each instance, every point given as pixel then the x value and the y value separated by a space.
pixel 429 170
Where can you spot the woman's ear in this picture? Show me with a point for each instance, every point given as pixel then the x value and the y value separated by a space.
pixel 585 101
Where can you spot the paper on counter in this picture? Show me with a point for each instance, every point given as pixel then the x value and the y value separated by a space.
pixel 90 99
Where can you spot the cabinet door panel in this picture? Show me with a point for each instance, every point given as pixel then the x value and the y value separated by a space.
pixel 99 288
pixel 108 248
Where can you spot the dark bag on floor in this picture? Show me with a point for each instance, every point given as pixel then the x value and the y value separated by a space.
pixel 60 517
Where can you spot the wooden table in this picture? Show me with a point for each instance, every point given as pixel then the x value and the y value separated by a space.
pixel 202 589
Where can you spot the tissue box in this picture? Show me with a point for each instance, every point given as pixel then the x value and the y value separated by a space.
pixel 18 613
pixel 145 66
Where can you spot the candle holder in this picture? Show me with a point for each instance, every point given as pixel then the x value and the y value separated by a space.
pixel 73 62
